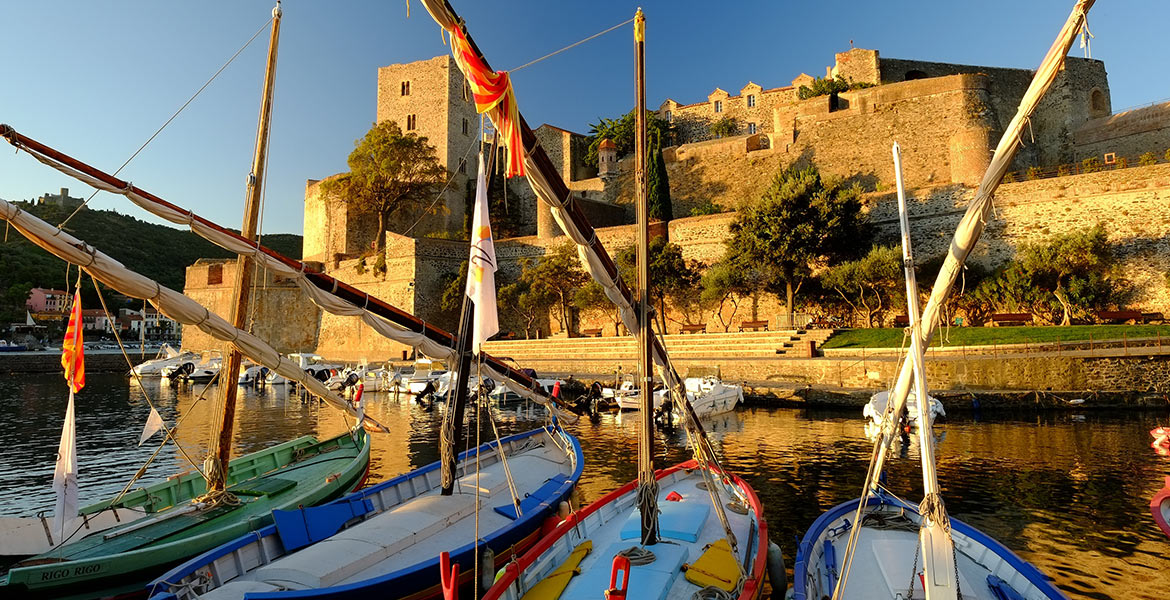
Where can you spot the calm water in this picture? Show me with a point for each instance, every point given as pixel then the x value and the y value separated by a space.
pixel 1070 493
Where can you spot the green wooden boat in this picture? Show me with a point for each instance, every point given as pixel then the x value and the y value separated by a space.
pixel 121 560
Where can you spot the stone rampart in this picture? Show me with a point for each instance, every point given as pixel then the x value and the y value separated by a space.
pixel 1129 134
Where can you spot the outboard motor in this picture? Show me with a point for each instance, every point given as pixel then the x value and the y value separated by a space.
pixel 182 371
pixel 351 380
pixel 321 375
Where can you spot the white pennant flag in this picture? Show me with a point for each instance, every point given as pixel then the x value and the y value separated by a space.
pixel 481 268
pixel 65 474
pixel 153 424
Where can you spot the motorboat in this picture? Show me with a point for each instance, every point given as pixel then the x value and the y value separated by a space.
pixel 875 409
pixel 426 372
pixel 168 356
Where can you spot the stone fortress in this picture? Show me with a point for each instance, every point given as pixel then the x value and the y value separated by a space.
pixel 947 118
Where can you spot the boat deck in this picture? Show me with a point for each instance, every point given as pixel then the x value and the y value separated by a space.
pixel 687 527
pixel 411 529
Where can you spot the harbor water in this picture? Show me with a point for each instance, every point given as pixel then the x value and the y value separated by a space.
pixel 1069 492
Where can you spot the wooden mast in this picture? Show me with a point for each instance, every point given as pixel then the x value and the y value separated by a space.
pixel 647 485
pixel 229 370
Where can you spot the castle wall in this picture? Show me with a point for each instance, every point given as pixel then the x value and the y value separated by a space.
pixel 693 122
pixel 282 315
pixel 1129 134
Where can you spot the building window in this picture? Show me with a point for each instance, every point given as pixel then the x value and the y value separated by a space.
pixel 1098 107
pixel 718 106
pixel 466 92
pixel 410 122
pixel 214 274
pixel 466 127
pixel 462 166
pixel 751 100
pixel 405 88
pixel 751 128
pixel 669 117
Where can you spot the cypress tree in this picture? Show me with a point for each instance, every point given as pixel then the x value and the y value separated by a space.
pixel 658 186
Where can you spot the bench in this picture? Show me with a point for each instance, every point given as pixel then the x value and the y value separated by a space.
pixel 1119 316
pixel 1011 318
pixel 700 328
pixel 1151 317
pixel 591 332
pixel 902 321
pixel 756 325
pixel 825 323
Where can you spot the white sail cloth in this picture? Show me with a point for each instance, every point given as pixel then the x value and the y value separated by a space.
pixel 167 301
pixel 325 300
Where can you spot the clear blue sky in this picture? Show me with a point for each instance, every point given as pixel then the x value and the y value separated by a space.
pixel 95 79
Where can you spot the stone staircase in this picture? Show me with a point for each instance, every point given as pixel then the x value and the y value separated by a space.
pixel 791 343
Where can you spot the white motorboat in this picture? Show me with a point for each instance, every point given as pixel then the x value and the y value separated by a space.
pixel 502 395
pixel 168 357
pixel 426 371
pixel 194 372
pixel 707 395
pixel 372 380
pixel 875 410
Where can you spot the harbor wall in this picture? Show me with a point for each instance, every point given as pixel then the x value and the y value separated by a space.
pixel 22 363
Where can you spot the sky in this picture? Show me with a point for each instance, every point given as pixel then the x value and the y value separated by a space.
pixel 96 79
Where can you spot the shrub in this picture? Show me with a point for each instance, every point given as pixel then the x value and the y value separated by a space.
pixel 1147 159
pixel 1167 155
pixel 724 127
pixel 380 264
pixel 1009 178
pixel 1033 173
pixel 360 267
pixel 1063 171
pixel 707 207
pixel 1122 163
pixel 823 86
pixel 1091 164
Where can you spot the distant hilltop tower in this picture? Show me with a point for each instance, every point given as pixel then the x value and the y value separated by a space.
pixel 607 158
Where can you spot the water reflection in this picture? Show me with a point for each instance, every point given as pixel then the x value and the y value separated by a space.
pixel 1068 492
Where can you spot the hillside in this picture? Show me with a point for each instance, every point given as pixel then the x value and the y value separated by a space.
pixel 156 251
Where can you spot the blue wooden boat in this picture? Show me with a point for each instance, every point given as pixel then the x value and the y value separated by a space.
pixel 385 541
pixel 888 540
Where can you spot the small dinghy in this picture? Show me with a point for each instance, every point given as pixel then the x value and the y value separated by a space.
pixel 384 541
pixel 888 563
pixel 876 408
pixel 1160 508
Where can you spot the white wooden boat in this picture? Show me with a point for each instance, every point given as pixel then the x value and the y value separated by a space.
pixel 875 409
pixel 1160 508
pixel 888 565
pixel 577 557
pixel 385 541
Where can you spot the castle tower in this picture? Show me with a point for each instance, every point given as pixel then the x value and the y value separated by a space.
pixel 607 159
pixel 431 99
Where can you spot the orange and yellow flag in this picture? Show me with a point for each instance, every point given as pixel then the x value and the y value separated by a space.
pixel 73 349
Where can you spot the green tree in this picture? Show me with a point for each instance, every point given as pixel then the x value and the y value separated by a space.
pixel 706 207
pixel 521 300
pixel 725 127
pixel 726 283
pixel 866 284
pixel 800 221
pixel 1073 267
pixel 671 277
pixel 658 184
pixel 592 297
pixel 557 275
pixel 823 86
pixel 621 131
pixel 389 172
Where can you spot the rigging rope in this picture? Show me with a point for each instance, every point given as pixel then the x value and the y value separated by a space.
pixel 168 121
pixel 571 46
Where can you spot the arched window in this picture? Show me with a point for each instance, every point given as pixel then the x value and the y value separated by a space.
pixel 1098 106
pixel 915 74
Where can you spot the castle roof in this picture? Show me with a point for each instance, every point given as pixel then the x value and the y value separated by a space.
pixel 607 144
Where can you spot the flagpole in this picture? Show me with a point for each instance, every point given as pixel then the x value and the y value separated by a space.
pixel 457 400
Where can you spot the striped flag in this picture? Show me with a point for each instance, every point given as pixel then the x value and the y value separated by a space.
pixel 73 349
pixel 65 472
pixel 481 268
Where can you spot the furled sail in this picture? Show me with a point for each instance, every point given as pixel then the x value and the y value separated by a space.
pixel 167 301
pixel 328 293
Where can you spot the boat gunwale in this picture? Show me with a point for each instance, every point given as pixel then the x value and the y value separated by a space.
pixel 515 568
pixel 1030 572
pixel 156 591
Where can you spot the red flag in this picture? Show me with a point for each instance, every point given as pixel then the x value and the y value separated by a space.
pixel 73 349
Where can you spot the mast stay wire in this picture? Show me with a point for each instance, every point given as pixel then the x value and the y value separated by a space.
pixel 573 45
pixel 168 121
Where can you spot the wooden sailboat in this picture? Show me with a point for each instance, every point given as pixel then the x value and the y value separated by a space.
pixel 668 534
pixel 385 541
pixel 191 514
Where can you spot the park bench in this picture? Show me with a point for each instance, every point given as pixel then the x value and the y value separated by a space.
pixel 700 328
pixel 902 321
pixel 1011 318
pixel 1119 316
pixel 591 332
pixel 754 325
pixel 825 323
pixel 1150 317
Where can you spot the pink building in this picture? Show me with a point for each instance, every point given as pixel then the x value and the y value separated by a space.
pixel 41 300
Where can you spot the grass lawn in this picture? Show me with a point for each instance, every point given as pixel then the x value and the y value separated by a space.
pixel 982 336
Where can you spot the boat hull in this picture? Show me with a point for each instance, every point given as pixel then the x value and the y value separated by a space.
pixel 416 575
pixel 606 525
pixel 123 559
pixel 1160 508
pixel 886 562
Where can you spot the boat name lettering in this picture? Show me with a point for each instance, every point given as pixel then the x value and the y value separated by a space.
pixel 62 573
